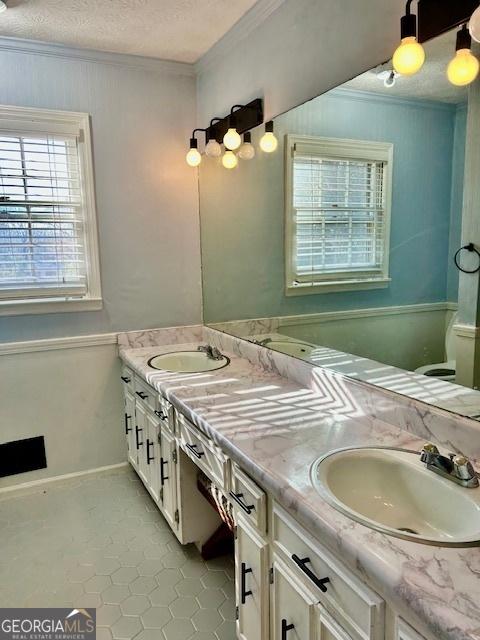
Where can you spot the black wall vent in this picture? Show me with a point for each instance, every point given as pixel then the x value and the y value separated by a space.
pixel 21 456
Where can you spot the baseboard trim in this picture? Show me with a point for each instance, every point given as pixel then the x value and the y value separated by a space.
pixel 24 486
pixel 52 344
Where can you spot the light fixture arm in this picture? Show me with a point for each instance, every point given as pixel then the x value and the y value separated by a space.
pixel 408 23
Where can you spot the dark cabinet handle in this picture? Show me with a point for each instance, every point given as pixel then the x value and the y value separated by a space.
pixel 149 457
pixel 141 395
pixel 286 627
pixel 243 583
pixel 127 428
pixel 137 431
pixel 192 449
pixel 318 582
pixel 160 415
pixel 248 508
pixel 162 476
pixel 125 379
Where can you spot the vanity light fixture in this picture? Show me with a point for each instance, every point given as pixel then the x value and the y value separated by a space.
pixel 268 142
pixel 213 147
pixel 409 57
pixel 229 159
pixel 193 157
pixel 464 67
pixel 3 6
pixel 474 25
pixel 247 150
pixel 232 139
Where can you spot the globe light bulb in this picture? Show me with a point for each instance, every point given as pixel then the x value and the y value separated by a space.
pixel 213 149
pixel 232 139
pixel 247 150
pixel 3 6
pixel 463 69
pixel 409 57
pixel 193 157
pixel 268 141
pixel 229 160
pixel 474 26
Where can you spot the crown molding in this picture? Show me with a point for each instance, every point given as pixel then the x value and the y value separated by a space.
pixel 382 98
pixel 260 12
pixel 53 50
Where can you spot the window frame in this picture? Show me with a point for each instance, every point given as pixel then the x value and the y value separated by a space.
pixel 342 149
pixel 22 120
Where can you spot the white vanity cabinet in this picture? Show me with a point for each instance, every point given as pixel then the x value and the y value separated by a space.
pixel 167 477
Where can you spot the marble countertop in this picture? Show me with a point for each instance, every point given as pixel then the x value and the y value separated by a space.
pixel 275 429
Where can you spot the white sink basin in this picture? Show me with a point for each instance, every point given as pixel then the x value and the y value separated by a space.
pixel 187 362
pixel 393 492
pixel 291 348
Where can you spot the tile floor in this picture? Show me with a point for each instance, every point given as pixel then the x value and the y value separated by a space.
pixel 99 541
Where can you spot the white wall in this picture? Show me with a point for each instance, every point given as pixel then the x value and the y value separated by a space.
pixel 303 49
pixel 142 113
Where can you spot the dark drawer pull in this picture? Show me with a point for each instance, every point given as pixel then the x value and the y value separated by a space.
pixel 160 415
pixel 149 457
pixel 127 428
pixel 286 627
pixel 138 443
pixel 162 477
pixel 125 379
pixel 243 582
pixel 141 395
pixel 248 508
pixel 319 582
pixel 192 449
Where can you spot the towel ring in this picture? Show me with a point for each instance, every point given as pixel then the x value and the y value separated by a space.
pixel 471 248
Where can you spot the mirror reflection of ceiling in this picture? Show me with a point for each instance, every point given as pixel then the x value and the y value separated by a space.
pixel 181 30
pixel 430 83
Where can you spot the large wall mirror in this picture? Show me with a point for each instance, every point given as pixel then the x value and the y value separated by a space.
pixel 339 247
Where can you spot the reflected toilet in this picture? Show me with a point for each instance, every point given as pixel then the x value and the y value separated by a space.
pixel 444 370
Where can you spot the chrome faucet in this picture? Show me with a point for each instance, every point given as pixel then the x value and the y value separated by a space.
pixel 262 343
pixel 212 352
pixel 456 468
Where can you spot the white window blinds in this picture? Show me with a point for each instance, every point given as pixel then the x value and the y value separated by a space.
pixel 42 239
pixel 338 211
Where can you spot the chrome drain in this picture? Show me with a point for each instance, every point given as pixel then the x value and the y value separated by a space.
pixel 408 530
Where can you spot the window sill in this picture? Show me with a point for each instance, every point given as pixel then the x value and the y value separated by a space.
pixel 306 289
pixel 52 305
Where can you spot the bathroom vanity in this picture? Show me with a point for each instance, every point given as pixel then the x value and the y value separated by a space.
pixel 303 570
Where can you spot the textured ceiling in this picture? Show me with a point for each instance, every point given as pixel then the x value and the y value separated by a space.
pixel 430 83
pixel 180 30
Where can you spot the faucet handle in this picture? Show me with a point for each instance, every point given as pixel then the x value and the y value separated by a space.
pixel 429 450
pixel 464 468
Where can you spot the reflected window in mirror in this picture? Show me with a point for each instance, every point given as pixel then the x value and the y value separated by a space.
pixel 338 204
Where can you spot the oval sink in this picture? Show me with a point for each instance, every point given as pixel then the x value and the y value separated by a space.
pixel 291 348
pixel 187 362
pixel 391 491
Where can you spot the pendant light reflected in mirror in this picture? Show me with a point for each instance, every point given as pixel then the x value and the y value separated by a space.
pixel 464 67
pixel 409 57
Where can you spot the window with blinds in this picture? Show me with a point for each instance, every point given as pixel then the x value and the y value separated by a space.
pixel 47 243
pixel 338 212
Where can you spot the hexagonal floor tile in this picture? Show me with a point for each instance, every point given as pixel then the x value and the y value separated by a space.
pixel 214 579
pixel 207 620
pixel 227 610
pixel 106 566
pixel 125 575
pixel 156 617
pixel 143 585
pixel 115 594
pixel 162 595
pixel 193 569
pixel 183 607
pixel 108 614
pixel 135 605
pixel 149 567
pixel 81 573
pixel 178 629
pixel 97 584
pixel 169 577
pixel 211 598
pixel 189 587
pixel 126 628
pixel 132 558
pixel 226 631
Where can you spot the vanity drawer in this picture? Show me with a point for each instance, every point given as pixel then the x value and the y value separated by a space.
pixel 247 498
pixel 350 601
pixel 146 394
pixel 166 413
pixel 203 452
pixel 127 377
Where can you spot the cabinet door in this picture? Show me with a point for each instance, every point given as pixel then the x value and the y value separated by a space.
pixel 168 478
pixel 294 613
pixel 328 628
pixel 153 456
pixel 141 434
pixel 251 582
pixel 129 426
pixel 405 632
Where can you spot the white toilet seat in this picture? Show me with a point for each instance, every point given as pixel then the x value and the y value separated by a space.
pixel 435 370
